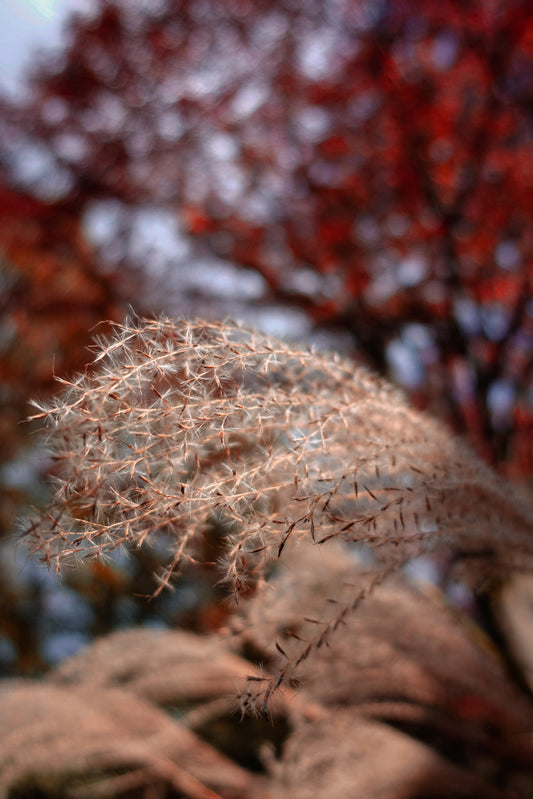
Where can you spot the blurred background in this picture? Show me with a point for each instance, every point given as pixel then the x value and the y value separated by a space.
pixel 356 174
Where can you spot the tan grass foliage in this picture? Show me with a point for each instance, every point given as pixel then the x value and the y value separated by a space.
pixel 405 657
pixel 145 713
pixel 99 734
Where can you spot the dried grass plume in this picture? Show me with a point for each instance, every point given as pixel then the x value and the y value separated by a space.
pixel 178 423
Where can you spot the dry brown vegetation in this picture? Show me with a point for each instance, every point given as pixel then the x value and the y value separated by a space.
pixel 406 702
pixel 312 467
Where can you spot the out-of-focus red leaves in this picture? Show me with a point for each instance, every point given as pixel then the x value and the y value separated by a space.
pixel 52 297
pixel 386 147
pixel 196 221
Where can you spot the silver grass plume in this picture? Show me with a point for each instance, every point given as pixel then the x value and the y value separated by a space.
pixel 180 422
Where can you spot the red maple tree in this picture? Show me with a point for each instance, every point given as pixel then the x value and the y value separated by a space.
pixel 371 160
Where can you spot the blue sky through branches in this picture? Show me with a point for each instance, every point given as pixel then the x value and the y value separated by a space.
pixel 27 25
